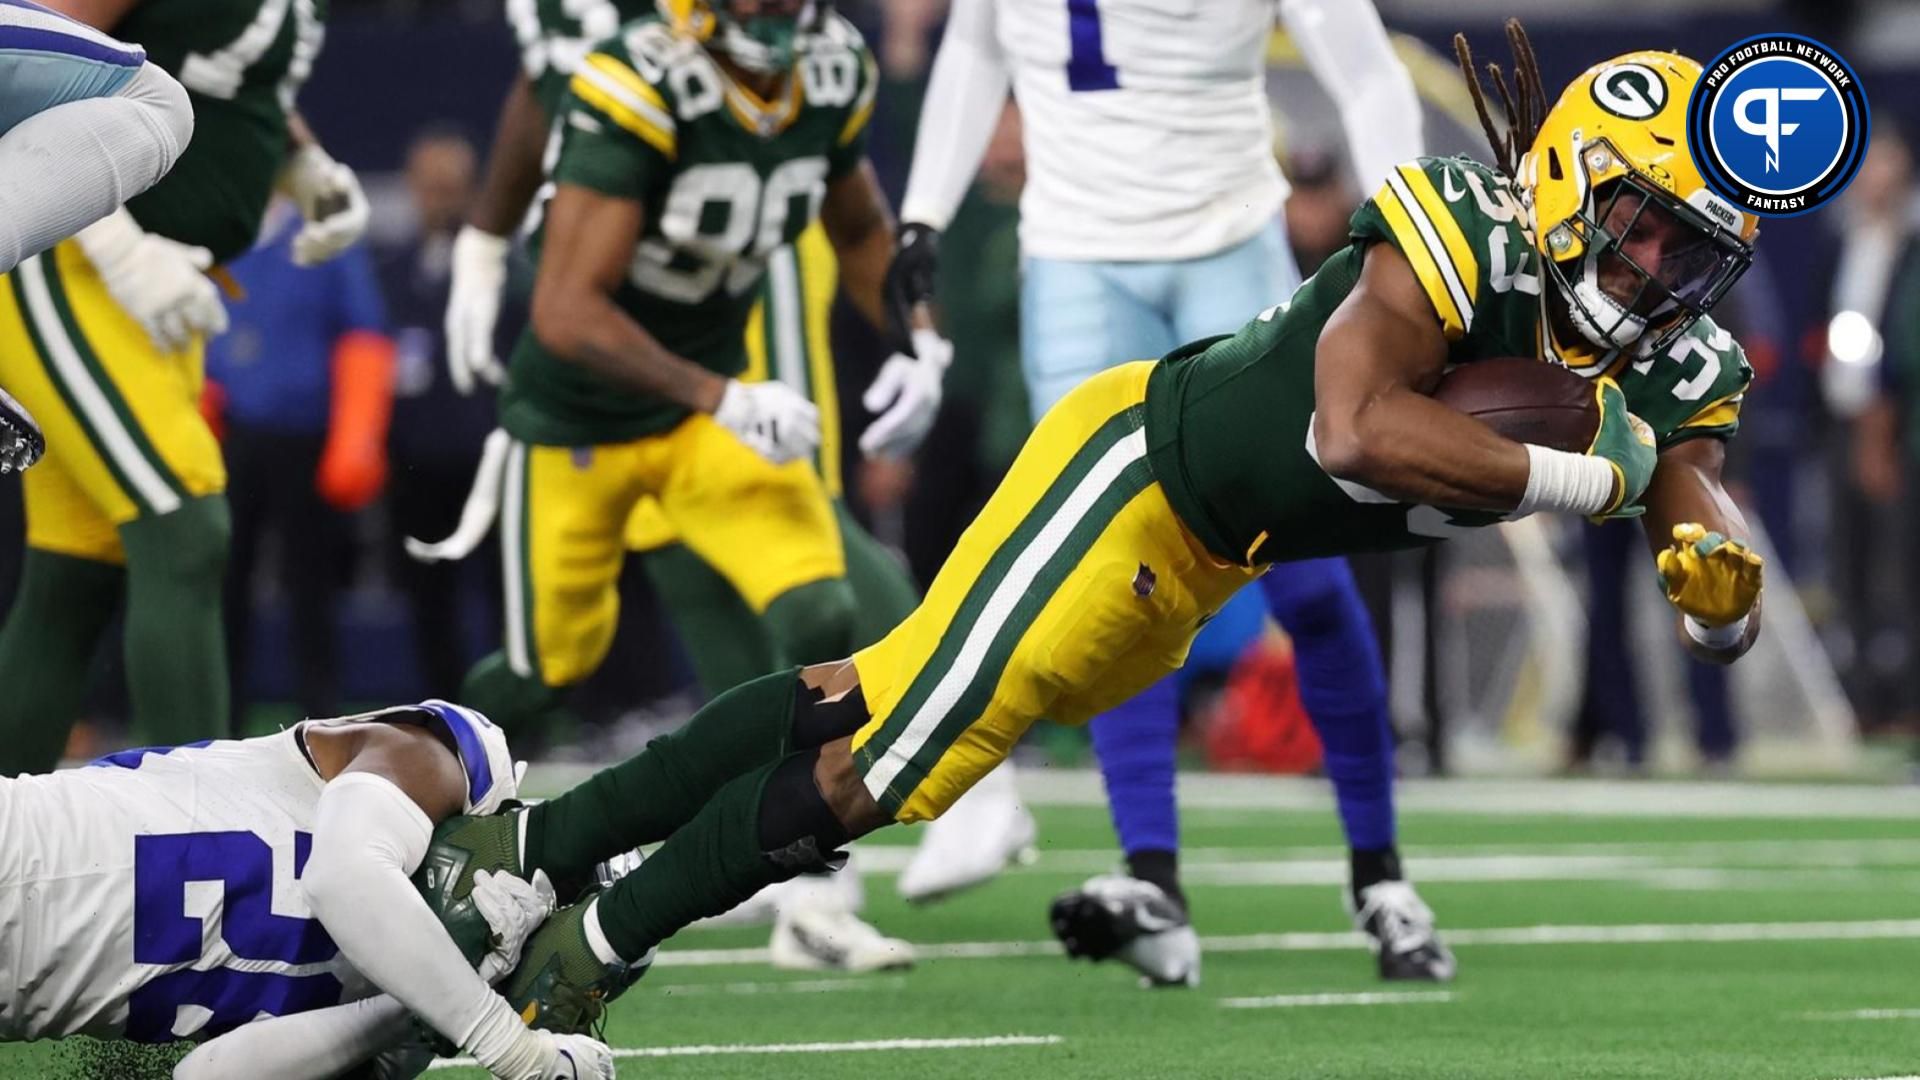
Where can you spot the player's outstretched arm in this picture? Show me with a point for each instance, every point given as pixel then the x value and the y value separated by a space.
pixel 387 786
pixel 479 269
pixel 1700 545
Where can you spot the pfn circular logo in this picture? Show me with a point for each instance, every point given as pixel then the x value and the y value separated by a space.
pixel 1778 123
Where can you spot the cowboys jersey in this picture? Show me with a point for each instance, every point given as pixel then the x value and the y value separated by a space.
pixel 154 895
pixel 1148 132
pixel 1461 228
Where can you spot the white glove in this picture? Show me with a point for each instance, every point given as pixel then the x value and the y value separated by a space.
pixel 514 908
pixel 162 283
pixel 473 307
pixel 546 1055
pixel 906 395
pixel 329 197
pixel 771 418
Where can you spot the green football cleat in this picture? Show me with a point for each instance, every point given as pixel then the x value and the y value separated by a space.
pixel 560 984
pixel 462 846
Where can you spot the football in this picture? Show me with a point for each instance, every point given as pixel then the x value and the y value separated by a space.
pixel 1525 400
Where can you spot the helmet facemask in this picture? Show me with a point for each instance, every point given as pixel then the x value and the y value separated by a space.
pixel 1652 266
pixel 766 37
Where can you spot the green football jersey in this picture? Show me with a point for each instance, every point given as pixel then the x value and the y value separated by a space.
pixel 1230 420
pixel 242 62
pixel 555 35
pixel 725 180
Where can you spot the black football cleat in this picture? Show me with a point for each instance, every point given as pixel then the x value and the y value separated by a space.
pixel 1399 929
pixel 1133 921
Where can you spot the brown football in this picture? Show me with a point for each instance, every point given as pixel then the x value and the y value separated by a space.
pixel 1526 400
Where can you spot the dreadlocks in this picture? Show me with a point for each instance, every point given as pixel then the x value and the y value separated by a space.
pixel 1524 101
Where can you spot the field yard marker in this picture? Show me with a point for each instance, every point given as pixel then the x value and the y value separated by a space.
pixel 1376 997
pixel 859 1046
pixel 1312 941
pixel 791 986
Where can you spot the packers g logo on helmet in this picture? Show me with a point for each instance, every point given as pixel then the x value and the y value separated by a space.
pixel 1632 91
pixel 1609 168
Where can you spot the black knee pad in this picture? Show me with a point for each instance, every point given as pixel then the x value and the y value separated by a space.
pixel 817 721
pixel 797 829
pixel 813 623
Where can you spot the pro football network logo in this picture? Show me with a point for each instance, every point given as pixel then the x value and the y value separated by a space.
pixel 1778 123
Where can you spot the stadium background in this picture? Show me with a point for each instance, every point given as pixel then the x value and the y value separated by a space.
pixel 1487 642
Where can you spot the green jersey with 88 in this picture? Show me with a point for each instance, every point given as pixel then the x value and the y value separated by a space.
pixel 725 180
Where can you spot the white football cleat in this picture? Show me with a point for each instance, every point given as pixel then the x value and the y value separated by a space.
pixel 972 842
pixel 842 889
pixel 1132 921
pixel 826 937
pixel 1400 929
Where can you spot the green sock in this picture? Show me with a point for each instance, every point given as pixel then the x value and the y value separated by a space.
pixel 882 589
pixel 724 638
pixel 176 648
pixel 521 706
pixel 813 624
pixel 46 650
pixel 645 798
pixel 709 866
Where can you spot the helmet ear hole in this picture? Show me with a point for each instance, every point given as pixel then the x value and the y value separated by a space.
pixel 1553 164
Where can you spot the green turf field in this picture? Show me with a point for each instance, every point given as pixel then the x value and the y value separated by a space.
pixel 1591 944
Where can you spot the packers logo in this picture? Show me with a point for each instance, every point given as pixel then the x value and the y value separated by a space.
pixel 1633 91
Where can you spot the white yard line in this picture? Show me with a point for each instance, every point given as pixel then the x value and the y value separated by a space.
pixel 862 1046
pixel 1310 941
pixel 791 986
pixel 1306 1001
pixel 1865 1014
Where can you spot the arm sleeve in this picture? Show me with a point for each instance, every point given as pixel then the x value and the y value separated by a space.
pixel 368 838
pixel 965 96
pixel 1409 212
pixel 108 150
pixel 301 1046
pixel 1348 50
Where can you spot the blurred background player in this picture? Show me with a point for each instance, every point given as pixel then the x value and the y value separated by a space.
pixel 86 123
pixel 1141 230
pixel 734 629
pixel 102 337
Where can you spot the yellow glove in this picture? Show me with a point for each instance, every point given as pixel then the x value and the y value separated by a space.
pixel 1709 577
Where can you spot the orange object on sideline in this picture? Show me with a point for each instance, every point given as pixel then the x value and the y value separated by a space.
pixel 213 408
pixel 353 466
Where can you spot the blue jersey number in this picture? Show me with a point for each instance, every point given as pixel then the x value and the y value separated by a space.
pixel 240 864
pixel 1087 67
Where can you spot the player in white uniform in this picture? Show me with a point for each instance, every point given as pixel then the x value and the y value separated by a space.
pixel 256 893
pixel 86 123
pixel 1152 217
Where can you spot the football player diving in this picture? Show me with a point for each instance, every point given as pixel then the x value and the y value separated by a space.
pixel 1155 490
pixel 254 896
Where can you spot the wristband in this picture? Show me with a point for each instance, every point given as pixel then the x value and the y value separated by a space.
pixel 1716 637
pixel 1561 482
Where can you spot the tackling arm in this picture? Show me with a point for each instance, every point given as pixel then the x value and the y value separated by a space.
pixel 372 828
pixel 590 242
pixel 1350 54
pixel 1711 577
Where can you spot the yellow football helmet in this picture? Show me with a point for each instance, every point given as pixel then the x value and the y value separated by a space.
pixel 764 36
pixel 1627 229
